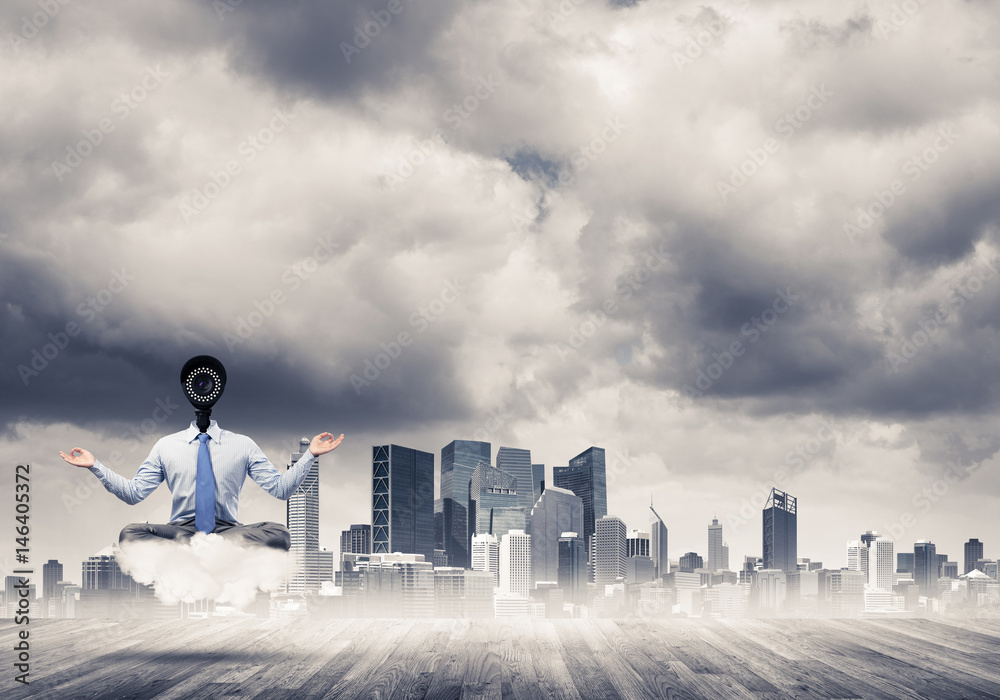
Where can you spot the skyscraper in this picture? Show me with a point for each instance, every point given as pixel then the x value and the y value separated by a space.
pixel 881 562
pixel 403 501
pixel 486 555
pixel 302 508
pixel 658 544
pixel 494 502
pixel 537 480
pixel 515 563
pixel 610 550
pixel 718 551
pixel 857 557
pixel 925 567
pixel 101 571
pixel 572 571
pixel 780 532
pixel 586 476
pixel 973 553
pixel 638 543
pixel 690 561
pixel 517 463
pixel 459 460
pixel 904 562
pixel 302 513
pixel 356 540
pixel 558 510
pixel 52 573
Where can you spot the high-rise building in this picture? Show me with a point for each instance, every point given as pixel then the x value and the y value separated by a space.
pixel 494 502
pixel 388 585
pixel 780 532
pixel 904 562
pixel 101 571
pixel 537 480
pixel 869 537
pixel 314 566
pixel 638 569
pixel 463 593
pixel 403 501
pixel 925 567
pixel 356 540
pixel 302 509
pixel 486 555
pixel 517 463
pixel 515 563
pixel 572 573
pixel 638 543
pixel 586 476
pixel 857 557
pixel 558 510
pixel 107 591
pixel 459 460
pixel 690 561
pixel 881 563
pixel 973 553
pixel 772 588
pixel 52 573
pixel 610 550
pixel 658 544
pixel 718 551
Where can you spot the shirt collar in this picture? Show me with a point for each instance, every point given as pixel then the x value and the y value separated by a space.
pixel 214 431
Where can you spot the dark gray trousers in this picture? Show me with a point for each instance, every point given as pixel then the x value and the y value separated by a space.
pixel 256 534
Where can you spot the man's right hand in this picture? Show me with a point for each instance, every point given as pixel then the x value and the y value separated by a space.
pixel 78 457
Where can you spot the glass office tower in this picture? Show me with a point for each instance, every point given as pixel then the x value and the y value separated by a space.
pixel 402 501
pixel 780 532
pixel 517 463
pixel 459 460
pixel 586 476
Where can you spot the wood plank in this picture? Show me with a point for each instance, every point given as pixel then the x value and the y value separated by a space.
pixel 309 659
pixel 588 676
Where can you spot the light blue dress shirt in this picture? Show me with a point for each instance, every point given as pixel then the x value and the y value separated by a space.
pixel 174 459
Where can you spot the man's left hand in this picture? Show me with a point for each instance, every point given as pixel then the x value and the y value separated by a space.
pixel 324 442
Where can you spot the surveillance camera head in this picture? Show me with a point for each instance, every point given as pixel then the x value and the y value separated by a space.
pixel 203 379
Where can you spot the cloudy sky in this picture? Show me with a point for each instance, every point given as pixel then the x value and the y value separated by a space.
pixel 736 244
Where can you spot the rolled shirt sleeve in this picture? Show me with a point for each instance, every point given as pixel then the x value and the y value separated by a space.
pixel 149 475
pixel 280 485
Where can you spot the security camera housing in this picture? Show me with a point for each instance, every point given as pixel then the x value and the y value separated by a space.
pixel 203 379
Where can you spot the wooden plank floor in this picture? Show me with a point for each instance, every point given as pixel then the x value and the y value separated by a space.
pixel 309 659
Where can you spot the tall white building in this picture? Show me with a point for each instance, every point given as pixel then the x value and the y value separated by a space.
pixel 857 556
pixel 486 555
pixel 314 565
pixel 515 563
pixel 718 551
pixel 658 544
pixel 881 564
pixel 610 550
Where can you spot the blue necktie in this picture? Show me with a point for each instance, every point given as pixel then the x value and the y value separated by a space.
pixel 204 492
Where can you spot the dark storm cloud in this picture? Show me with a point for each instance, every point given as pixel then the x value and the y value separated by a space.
pixel 336 49
pixel 935 232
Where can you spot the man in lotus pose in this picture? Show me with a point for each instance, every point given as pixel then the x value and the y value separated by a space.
pixel 205 472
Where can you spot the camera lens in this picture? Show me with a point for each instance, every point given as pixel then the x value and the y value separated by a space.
pixel 202 385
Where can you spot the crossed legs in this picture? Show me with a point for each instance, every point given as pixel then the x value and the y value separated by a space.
pixel 263 534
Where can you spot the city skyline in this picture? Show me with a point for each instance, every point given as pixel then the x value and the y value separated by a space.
pixel 955 553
